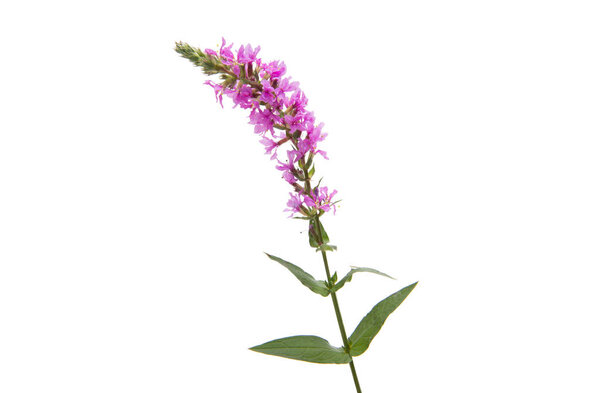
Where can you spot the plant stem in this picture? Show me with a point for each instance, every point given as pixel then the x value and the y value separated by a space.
pixel 338 313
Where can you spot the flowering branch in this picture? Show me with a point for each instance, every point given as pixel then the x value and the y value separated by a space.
pixel 278 112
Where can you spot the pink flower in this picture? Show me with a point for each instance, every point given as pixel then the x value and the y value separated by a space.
pixel 261 120
pixel 294 204
pixel 321 199
pixel 297 100
pixel 294 122
pixel 226 53
pixel 278 102
pixel 274 69
pixel 218 91
pixel 268 92
pixel 247 54
pixel 242 97
pixel 292 158
pixel 270 146
pixel 289 168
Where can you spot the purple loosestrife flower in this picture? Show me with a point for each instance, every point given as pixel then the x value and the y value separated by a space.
pixel 218 91
pixel 278 113
pixel 242 97
pixel 289 169
pixel 274 69
pixel 246 56
pixel 262 121
pixel 270 147
pixel 320 198
pixel 294 204
pixel 226 54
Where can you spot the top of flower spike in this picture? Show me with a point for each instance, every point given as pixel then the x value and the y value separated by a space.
pixel 277 111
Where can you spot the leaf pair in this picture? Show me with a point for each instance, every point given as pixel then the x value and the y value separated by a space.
pixel 318 350
pixel 320 286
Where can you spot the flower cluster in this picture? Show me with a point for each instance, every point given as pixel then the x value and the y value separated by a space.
pixel 278 112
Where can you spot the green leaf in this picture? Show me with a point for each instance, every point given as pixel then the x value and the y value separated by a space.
pixel 348 277
pixel 323 233
pixel 370 325
pixel 317 286
pixel 326 247
pixel 313 234
pixel 306 348
pixel 310 160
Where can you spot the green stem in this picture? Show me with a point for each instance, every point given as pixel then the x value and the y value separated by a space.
pixel 338 313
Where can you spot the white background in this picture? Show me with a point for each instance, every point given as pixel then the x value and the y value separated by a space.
pixel 134 211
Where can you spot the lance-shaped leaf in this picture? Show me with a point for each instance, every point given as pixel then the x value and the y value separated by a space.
pixel 313 234
pixel 370 325
pixel 317 286
pixel 348 276
pixel 306 348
